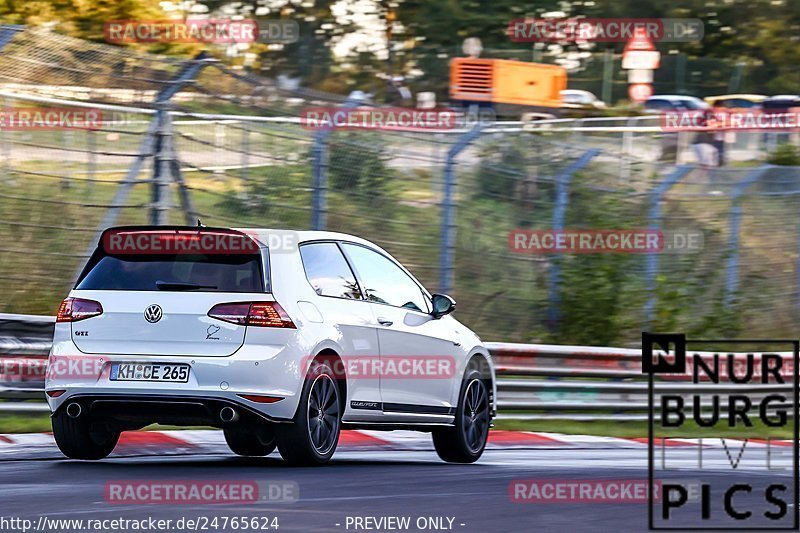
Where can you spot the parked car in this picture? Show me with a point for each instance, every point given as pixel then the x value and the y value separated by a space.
pixel 577 99
pixel 736 101
pixel 666 102
pixel 781 103
pixel 281 339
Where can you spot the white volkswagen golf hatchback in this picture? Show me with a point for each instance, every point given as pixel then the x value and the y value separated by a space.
pixel 279 338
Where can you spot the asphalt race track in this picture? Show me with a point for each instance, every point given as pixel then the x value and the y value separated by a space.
pixel 377 484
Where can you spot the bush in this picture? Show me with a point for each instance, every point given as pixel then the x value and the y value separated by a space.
pixel 785 155
pixel 502 166
pixel 357 162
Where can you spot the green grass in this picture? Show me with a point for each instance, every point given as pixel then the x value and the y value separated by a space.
pixel 40 422
pixel 635 429
pixel 27 423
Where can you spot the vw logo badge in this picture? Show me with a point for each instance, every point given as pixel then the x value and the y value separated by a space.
pixel 153 313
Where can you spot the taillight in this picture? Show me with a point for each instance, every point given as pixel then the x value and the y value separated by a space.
pixel 260 399
pixel 74 309
pixel 262 314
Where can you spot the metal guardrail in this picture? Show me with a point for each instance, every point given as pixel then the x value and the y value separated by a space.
pixel 535 381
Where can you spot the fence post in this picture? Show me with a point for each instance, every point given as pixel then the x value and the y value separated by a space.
pixel 91 163
pixel 654 223
pixel 5 146
pixel 732 264
pixel 627 148
pixel 559 214
pixel 245 150
pixel 147 147
pixel 447 242
pixel 161 170
pixel 319 176
pixel 319 173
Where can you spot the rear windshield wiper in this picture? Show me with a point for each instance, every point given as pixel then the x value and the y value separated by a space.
pixel 177 286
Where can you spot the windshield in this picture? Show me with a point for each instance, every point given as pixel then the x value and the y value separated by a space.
pixel 205 273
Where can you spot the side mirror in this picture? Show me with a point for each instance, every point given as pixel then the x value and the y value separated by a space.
pixel 442 305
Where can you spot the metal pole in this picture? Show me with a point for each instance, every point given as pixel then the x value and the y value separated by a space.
pixel 245 150
pixel 161 171
pixel 319 174
pixel 732 265
pixel 654 217
pixel 627 148
pixel 559 214
pixel 67 142
pixel 5 145
pixel 189 212
pixel 91 163
pixel 448 229
pixel 680 76
pixel 608 75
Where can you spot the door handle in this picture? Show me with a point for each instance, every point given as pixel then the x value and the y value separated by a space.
pixel 384 321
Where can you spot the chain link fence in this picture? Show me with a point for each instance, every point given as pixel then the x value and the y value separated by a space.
pixel 194 139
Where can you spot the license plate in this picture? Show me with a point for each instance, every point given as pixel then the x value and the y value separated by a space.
pixel 149 372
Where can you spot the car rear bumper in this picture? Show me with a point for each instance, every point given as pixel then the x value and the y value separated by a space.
pixel 130 411
pixel 272 371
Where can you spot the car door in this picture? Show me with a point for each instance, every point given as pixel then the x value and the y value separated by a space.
pixel 419 354
pixel 342 305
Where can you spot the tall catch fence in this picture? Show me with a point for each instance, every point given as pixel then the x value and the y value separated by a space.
pixel 188 140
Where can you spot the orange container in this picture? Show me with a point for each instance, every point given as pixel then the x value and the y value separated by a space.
pixel 501 81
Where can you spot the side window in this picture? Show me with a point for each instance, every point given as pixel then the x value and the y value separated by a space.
pixel 384 282
pixel 328 272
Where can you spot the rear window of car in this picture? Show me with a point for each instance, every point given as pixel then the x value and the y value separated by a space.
pixel 179 272
pixel 657 104
pixel 692 104
pixel 784 104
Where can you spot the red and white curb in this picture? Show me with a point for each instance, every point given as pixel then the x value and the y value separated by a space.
pixel 198 442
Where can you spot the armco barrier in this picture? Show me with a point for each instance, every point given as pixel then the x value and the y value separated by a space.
pixel 535 381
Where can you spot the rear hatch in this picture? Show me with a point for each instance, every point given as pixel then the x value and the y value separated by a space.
pixel 156 302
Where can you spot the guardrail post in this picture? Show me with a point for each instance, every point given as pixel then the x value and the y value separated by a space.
pixel 654 223
pixel 447 244
pixel 732 264
pixel 559 214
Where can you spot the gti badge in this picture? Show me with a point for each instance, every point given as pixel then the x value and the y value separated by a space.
pixel 153 313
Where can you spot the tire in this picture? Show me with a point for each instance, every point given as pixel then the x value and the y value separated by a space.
pixel 465 441
pixel 83 438
pixel 250 443
pixel 312 436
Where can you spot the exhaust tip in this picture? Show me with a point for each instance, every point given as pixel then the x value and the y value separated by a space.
pixel 228 414
pixel 74 410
